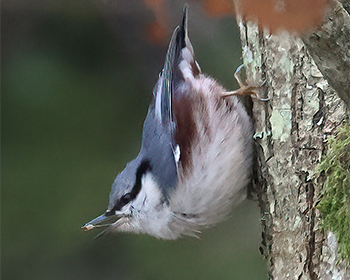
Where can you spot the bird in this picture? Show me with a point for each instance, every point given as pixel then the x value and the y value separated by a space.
pixel 196 155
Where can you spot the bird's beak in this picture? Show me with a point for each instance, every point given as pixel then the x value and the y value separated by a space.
pixel 101 221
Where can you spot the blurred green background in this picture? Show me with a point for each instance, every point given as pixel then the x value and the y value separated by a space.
pixel 77 78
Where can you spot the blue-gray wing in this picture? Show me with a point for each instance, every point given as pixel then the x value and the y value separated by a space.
pixel 169 124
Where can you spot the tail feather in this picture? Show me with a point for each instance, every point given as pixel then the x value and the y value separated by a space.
pixel 180 64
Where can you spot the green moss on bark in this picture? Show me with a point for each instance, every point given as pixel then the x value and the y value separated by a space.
pixel 335 196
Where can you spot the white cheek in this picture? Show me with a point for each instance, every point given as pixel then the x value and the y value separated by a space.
pixel 149 212
pixel 149 196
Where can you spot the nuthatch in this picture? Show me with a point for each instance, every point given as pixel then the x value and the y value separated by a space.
pixel 196 154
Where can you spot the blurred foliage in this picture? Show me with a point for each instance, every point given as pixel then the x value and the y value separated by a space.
pixel 335 197
pixel 74 98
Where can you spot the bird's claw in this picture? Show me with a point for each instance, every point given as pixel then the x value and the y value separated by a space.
pixel 253 91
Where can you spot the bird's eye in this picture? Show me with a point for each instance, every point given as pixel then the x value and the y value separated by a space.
pixel 125 199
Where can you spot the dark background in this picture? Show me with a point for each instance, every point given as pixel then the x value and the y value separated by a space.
pixel 77 78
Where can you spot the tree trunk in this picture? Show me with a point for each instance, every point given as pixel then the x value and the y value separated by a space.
pixel 291 133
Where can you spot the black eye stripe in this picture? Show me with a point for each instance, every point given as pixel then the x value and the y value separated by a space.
pixel 125 199
pixel 143 168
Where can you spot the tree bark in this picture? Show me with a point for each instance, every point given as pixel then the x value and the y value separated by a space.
pixel 329 46
pixel 291 134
